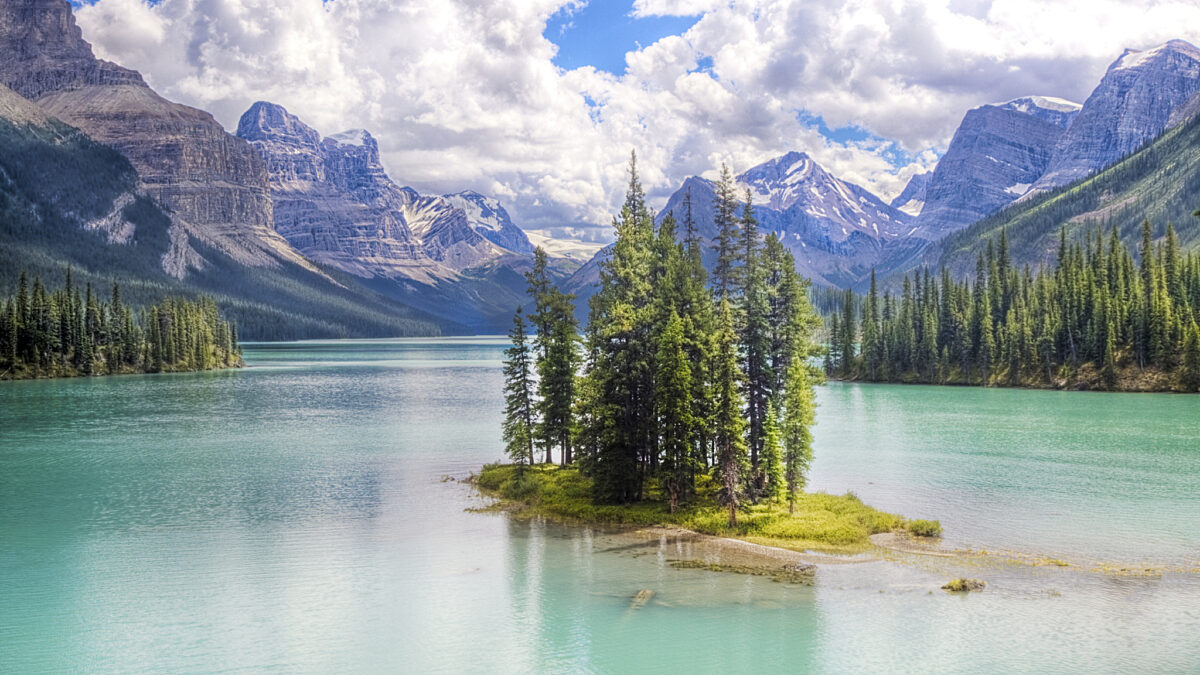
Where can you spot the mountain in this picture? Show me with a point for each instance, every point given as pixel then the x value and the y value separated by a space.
pixel 996 154
pixel 837 230
pixel 132 188
pixel 459 257
pixel 487 217
pixel 911 199
pixel 214 185
pixel 1160 182
pixel 1132 104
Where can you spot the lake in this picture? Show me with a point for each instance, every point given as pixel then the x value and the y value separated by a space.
pixel 295 516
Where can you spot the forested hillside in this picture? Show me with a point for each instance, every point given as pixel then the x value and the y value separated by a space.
pixel 1159 183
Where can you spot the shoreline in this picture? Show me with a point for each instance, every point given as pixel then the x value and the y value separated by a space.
pixel 691 549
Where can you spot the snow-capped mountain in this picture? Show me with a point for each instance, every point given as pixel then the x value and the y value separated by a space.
pixel 813 202
pixel 1131 105
pixel 836 230
pixel 491 221
pixel 336 203
pixel 996 154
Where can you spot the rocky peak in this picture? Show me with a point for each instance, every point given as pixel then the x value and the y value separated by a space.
pixel 1058 111
pixel 488 217
pixel 996 154
pixel 1132 104
pixel 42 51
pixel 268 122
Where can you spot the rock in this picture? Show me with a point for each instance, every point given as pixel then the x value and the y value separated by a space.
pixel 335 202
pixel 641 598
pixel 215 184
pixel 911 199
pixel 1132 104
pixel 964 585
pixel 998 152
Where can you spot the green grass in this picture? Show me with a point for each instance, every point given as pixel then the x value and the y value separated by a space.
pixel 821 521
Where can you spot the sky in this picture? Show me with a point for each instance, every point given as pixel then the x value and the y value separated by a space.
pixel 539 102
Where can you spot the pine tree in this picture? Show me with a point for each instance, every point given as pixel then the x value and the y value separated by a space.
pixel 728 424
pixel 519 404
pixel 726 222
pixel 773 466
pixel 799 413
pixel 673 411
pixel 1190 376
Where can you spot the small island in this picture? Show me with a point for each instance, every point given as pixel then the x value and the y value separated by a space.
pixel 687 402
pixel 66 333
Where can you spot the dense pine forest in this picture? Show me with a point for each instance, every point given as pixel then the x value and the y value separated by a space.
pixel 678 381
pixel 66 332
pixel 1099 319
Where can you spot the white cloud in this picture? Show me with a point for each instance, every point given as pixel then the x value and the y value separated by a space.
pixel 463 93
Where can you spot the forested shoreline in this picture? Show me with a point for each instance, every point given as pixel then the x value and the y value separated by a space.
pixel 69 333
pixel 1096 320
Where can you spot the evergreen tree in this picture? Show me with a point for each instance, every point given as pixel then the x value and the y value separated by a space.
pixel 519 404
pixel 773 466
pixel 726 222
pixel 673 411
pixel 728 424
pixel 799 413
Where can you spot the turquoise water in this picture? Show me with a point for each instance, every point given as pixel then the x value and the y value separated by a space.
pixel 293 517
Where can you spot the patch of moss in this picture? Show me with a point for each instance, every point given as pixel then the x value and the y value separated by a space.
pixel 964 585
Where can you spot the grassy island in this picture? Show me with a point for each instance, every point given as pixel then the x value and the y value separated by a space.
pixel 832 523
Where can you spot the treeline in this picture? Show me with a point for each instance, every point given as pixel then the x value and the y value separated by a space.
pixel 1099 319
pixel 676 381
pixel 66 332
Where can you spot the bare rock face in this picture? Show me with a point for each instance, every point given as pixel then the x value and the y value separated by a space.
pixel 911 199
pixel 1132 104
pixel 336 203
pixel 214 184
pixel 43 51
pixel 316 209
pixel 996 155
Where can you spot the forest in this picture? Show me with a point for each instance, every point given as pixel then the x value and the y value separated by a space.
pixel 66 332
pixel 679 380
pixel 1098 319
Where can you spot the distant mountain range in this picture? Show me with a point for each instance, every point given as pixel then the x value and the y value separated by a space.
pixel 1003 159
pixel 303 235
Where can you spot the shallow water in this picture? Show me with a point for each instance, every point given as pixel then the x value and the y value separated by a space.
pixel 292 517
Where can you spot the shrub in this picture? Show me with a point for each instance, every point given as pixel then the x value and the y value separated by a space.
pixel 924 528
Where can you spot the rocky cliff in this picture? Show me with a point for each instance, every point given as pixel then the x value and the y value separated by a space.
pixel 997 153
pixel 335 202
pixel 1132 104
pixel 214 184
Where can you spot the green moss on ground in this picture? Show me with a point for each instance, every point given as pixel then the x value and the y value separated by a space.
pixel 837 523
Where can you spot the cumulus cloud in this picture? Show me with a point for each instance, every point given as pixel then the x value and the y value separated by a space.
pixel 465 94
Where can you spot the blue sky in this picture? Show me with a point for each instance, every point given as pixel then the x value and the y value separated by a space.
pixel 600 33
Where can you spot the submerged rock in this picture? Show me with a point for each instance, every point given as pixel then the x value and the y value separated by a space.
pixel 641 598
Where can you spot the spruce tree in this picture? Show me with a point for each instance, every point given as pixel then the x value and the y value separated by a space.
pixel 773 469
pixel 729 426
pixel 519 404
pixel 726 222
pixel 673 412
pixel 799 413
